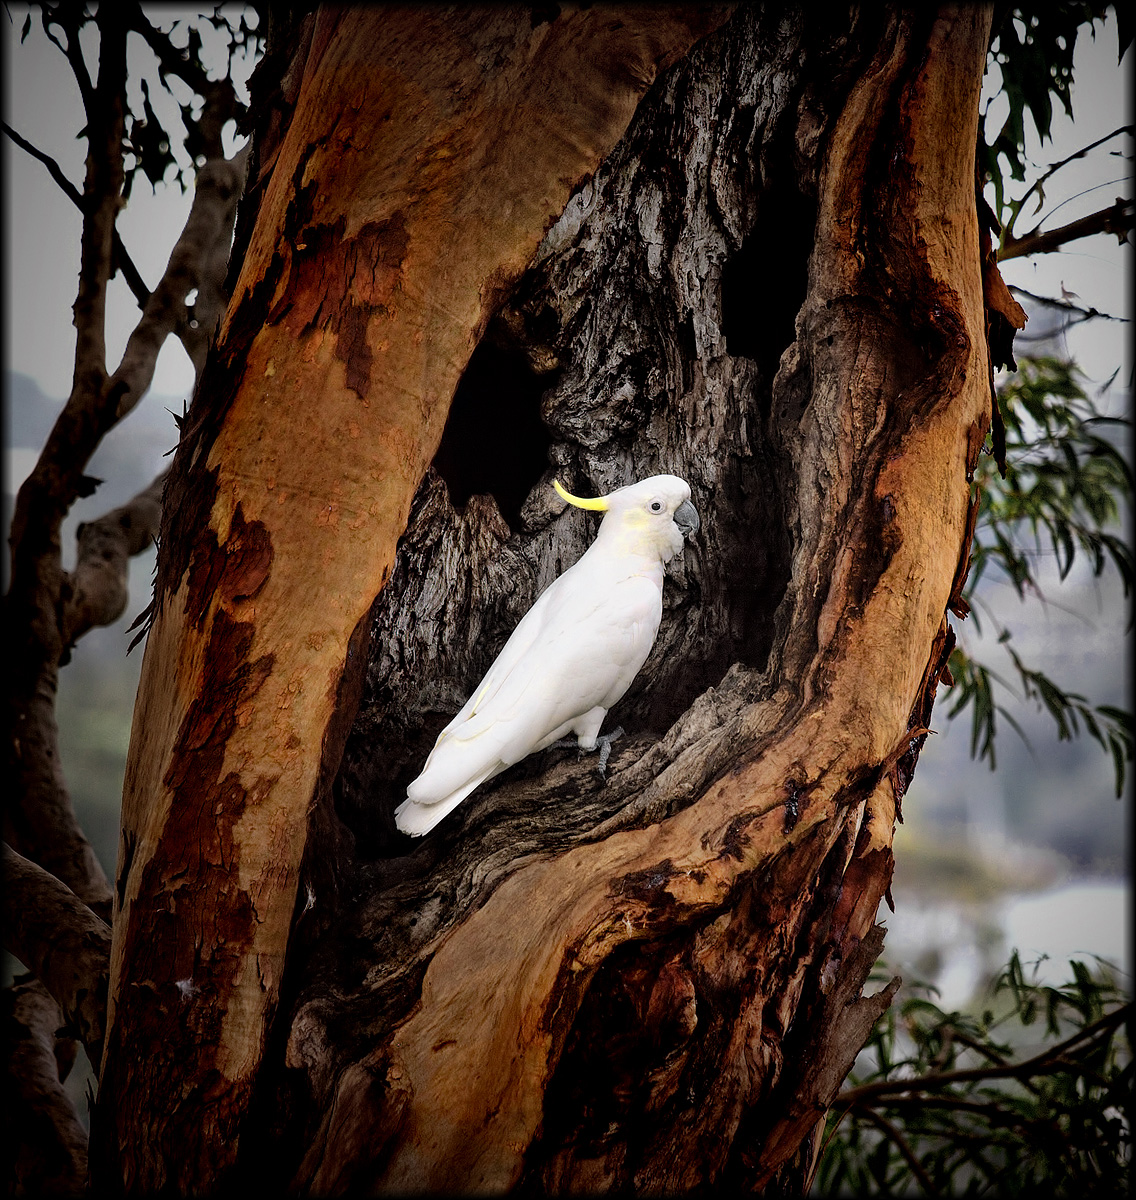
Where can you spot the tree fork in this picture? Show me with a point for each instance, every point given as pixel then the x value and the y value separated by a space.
pixel 733 866
pixel 381 248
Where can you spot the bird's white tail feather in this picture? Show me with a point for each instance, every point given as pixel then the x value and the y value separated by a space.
pixel 416 819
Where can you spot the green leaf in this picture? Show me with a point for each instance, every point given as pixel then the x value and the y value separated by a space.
pixel 1018 1123
pixel 1067 481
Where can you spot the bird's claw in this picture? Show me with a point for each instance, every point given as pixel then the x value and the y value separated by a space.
pixel 604 744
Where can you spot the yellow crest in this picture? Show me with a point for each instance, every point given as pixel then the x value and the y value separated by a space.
pixel 599 504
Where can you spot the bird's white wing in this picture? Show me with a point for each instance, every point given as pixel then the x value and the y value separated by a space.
pixel 576 667
pixel 578 648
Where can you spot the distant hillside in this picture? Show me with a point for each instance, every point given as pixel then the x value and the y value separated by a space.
pixel 130 456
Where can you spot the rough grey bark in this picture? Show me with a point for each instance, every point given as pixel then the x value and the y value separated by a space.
pixel 676 319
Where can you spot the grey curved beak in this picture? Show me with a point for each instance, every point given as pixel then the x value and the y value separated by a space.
pixel 686 518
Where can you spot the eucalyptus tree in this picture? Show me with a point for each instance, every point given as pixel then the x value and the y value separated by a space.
pixel 476 249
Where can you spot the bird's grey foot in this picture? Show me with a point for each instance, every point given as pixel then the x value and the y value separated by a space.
pixel 604 744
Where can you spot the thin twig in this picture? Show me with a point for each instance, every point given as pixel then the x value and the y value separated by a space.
pixel 1055 167
pixel 1119 218
pixel 896 1136
pixel 53 168
pixel 69 18
pixel 1030 1066
pixel 1065 306
pixel 122 257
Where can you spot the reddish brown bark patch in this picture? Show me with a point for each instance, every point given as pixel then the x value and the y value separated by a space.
pixel 648 886
pixel 340 284
pixel 235 571
pixel 181 973
pixel 191 489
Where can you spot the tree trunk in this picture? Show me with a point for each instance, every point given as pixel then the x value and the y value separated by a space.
pixel 428 152
pixel 772 287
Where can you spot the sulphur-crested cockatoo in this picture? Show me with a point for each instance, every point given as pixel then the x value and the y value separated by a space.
pixel 573 655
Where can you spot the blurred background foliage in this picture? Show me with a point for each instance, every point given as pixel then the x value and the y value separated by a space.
pixel 1031 1096
pixel 1066 487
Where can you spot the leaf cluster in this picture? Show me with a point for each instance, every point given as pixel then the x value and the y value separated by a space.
pixel 183 75
pixel 1067 486
pixel 947 1103
pixel 1033 48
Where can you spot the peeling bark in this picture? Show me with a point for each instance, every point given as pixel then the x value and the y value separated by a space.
pixel 410 127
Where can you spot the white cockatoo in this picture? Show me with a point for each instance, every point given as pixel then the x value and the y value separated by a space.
pixel 573 655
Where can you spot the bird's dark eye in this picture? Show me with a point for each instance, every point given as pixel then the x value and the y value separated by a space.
pixel 656 506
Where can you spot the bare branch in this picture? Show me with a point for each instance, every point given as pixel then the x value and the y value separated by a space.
pixel 69 18
pixel 1120 219
pixel 50 1147
pixel 102 200
pixel 98 586
pixel 219 186
pixel 41 822
pixel 122 259
pixel 57 937
pixel 896 1136
pixel 1053 168
pixel 39 819
pixel 1048 1061
pixel 53 168
pixel 1085 314
pixel 197 261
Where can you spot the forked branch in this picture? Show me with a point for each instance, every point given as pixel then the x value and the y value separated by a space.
pixel 97 591
pixel 58 938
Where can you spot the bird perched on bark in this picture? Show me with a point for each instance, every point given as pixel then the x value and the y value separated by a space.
pixel 573 655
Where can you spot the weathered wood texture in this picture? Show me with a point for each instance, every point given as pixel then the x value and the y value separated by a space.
pixel 56 936
pixel 45 1146
pixel 429 150
pixel 773 288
